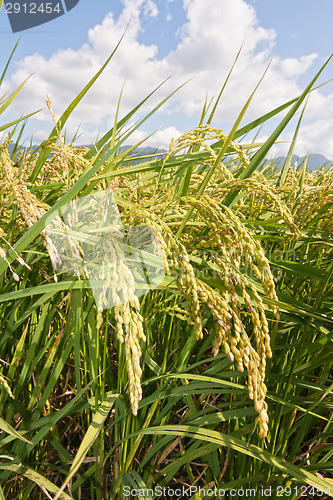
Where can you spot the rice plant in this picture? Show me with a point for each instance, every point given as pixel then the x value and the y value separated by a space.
pixel 216 378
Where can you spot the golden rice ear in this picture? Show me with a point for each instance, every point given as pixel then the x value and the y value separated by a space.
pixel 4 384
pixel 225 306
pixel 18 258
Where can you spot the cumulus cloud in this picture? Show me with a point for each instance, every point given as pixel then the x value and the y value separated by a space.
pixel 319 136
pixel 209 40
pixel 292 67
pixel 159 139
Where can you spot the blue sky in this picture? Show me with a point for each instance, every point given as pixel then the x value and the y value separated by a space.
pixel 189 39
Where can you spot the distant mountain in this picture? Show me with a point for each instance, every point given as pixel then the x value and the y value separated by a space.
pixel 315 161
pixel 144 151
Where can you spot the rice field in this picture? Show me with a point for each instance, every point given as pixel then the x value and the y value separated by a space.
pixel 205 372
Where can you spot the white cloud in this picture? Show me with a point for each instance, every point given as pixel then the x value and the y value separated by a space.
pixel 150 9
pixel 160 139
pixel 317 137
pixel 133 8
pixel 209 41
pixel 292 67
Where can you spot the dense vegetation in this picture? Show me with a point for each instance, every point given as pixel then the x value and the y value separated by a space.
pixel 218 378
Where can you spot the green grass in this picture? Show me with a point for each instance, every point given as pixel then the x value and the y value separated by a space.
pixel 67 428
